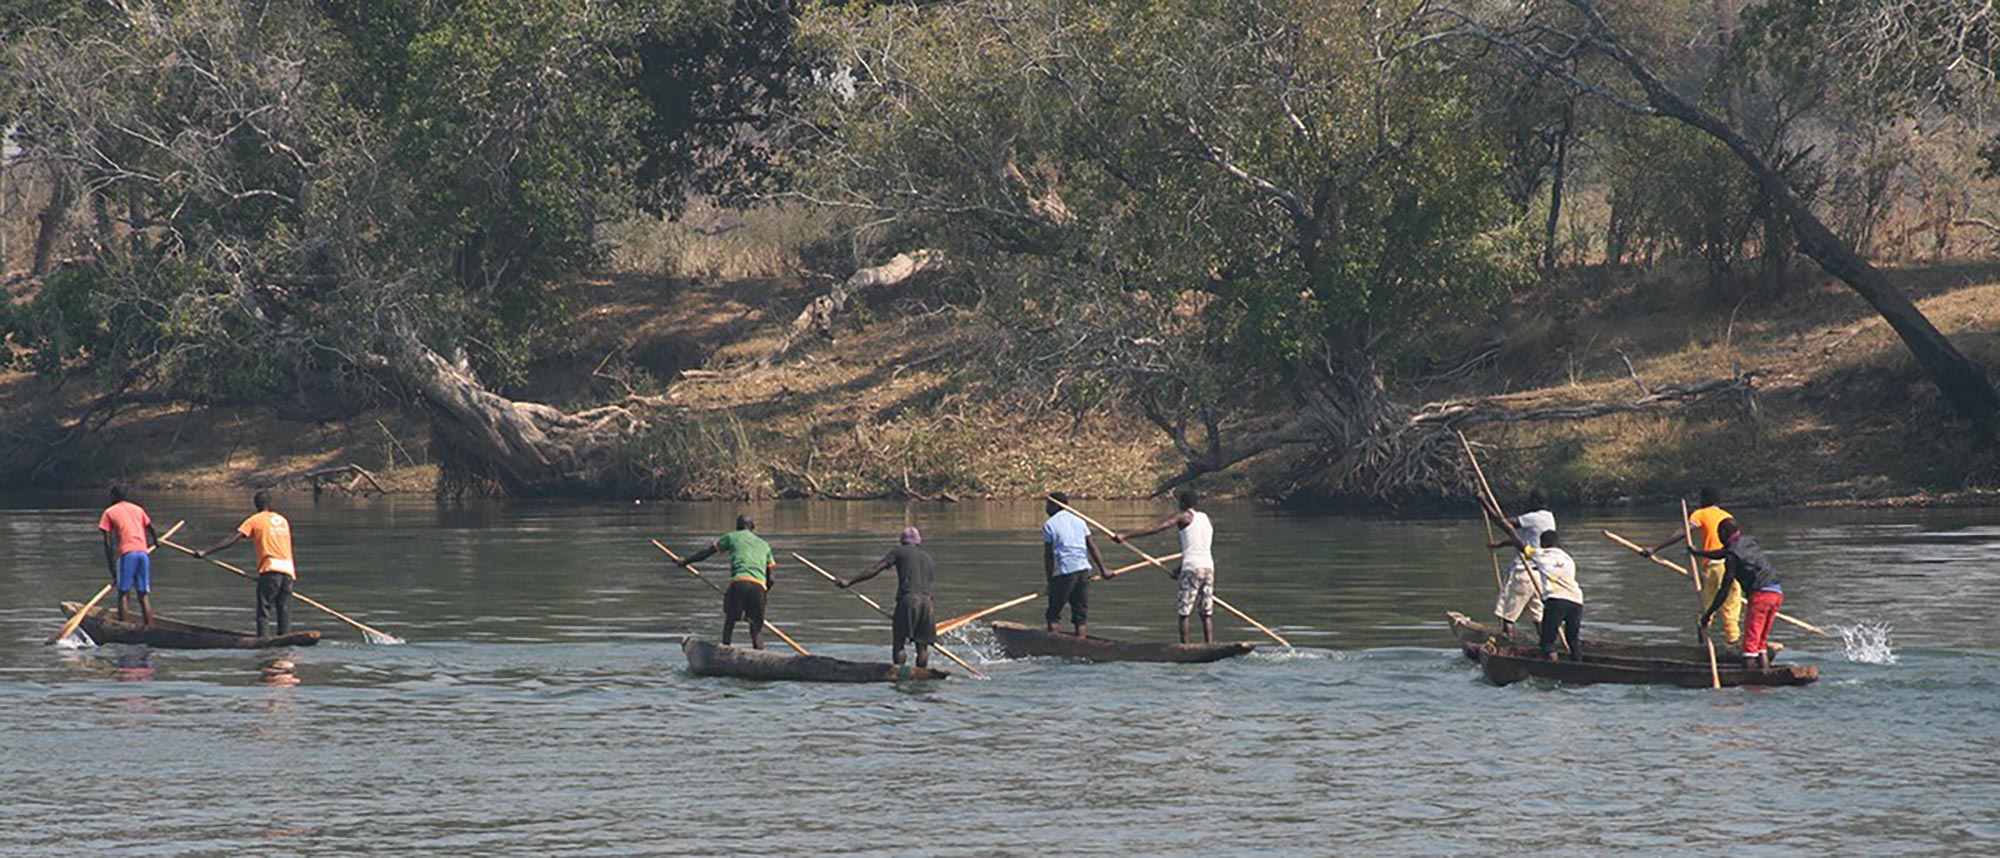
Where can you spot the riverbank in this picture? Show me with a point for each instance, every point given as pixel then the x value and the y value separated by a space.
pixel 891 405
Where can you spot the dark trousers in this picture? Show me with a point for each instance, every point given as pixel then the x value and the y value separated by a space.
pixel 1567 616
pixel 744 600
pixel 1072 590
pixel 274 602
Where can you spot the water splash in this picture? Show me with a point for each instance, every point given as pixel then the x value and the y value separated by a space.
pixel 1867 643
pixel 980 639
pixel 381 638
pixel 76 640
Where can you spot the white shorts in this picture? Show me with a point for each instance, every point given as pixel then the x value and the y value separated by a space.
pixel 1197 590
pixel 1519 602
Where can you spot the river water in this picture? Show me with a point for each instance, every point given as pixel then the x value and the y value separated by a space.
pixel 542 706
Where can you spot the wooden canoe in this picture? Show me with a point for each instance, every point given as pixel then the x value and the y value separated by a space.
pixel 1474 635
pixel 1020 641
pixel 1508 665
pixel 174 634
pixel 712 659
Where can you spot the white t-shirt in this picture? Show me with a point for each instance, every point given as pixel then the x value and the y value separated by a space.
pixel 1198 542
pixel 1558 571
pixel 1533 524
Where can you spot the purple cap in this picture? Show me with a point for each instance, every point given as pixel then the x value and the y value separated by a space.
pixel 912 536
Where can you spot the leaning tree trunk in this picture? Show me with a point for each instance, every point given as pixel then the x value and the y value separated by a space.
pixel 50 223
pixel 527 448
pixel 1963 384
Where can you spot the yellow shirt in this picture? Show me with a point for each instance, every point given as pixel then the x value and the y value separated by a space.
pixel 1703 523
pixel 271 535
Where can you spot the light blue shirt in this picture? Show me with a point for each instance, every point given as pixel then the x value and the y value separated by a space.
pixel 1068 534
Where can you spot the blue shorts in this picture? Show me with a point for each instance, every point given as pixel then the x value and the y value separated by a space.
pixel 135 572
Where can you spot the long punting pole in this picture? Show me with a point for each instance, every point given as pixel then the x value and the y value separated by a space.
pixel 878 609
pixel 1694 563
pixel 711 585
pixel 1676 567
pixel 374 635
pixel 1163 568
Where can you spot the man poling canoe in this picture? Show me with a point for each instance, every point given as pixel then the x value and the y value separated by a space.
pixel 1068 556
pixel 752 574
pixel 270 536
pixel 1518 595
pixel 1750 572
pixel 914 620
pixel 1196 573
pixel 1703 527
pixel 1562 598
pixel 129 538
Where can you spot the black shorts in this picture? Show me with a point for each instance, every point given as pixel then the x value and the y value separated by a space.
pixel 1072 590
pixel 744 600
pixel 914 620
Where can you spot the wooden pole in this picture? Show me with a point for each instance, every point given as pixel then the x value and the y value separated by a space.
pixel 955 622
pixel 1487 519
pixel 1491 504
pixel 1155 561
pixel 878 609
pixel 69 628
pixel 1694 565
pixel 712 586
pixel 374 635
pixel 1676 568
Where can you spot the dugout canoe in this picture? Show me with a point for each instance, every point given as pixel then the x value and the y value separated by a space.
pixel 1507 665
pixel 706 658
pixel 103 628
pixel 1474 635
pixel 1019 641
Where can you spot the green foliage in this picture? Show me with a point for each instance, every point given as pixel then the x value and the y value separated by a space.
pixel 1251 179
pixel 341 176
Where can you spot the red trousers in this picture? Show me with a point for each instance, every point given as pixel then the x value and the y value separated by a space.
pixel 1757 622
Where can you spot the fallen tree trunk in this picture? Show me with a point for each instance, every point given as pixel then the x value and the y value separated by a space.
pixel 818 315
pixel 527 448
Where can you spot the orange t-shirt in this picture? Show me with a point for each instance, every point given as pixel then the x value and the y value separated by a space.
pixel 1704 521
pixel 126 522
pixel 271 535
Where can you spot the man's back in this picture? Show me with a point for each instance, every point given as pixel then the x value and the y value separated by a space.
pixel 914 570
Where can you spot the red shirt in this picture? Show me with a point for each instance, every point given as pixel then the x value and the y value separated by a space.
pixel 126 522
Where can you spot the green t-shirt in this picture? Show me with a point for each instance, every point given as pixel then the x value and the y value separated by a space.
pixel 749 556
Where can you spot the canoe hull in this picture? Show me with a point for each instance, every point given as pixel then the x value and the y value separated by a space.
pixel 1019 641
pixel 1473 636
pixel 706 658
pixel 174 634
pixel 1508 665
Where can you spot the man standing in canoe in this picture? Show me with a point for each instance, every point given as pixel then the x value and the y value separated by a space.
pixel 1705 525
pixel 1519 595
pixel 752 574
pixel 1749 572
pixel 128 540
pixel 914 620
pixel 1562 603
pixel 1068 557
pixel 270 536
pixel 1197 572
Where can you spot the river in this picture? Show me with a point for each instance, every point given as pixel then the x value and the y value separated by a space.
pixel 542 706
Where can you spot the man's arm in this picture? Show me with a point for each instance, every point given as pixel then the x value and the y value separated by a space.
pixel 235 536
pixel 1090 545
pixel 152 537
pixel 1679 536
pixel 1721 593
pixel 879 568
pixel 701 555
pixel 1179 519
pixel 110 554
pixel 770 575
pixel 1717 554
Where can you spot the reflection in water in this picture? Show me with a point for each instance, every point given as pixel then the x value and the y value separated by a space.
pixel 133 665
pixel 277 671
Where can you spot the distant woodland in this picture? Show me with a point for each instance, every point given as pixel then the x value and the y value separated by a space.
pixel 1302 233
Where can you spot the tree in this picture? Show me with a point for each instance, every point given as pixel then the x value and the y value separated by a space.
pixel 1252 217
pixel 353 199
pixel 1920 50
